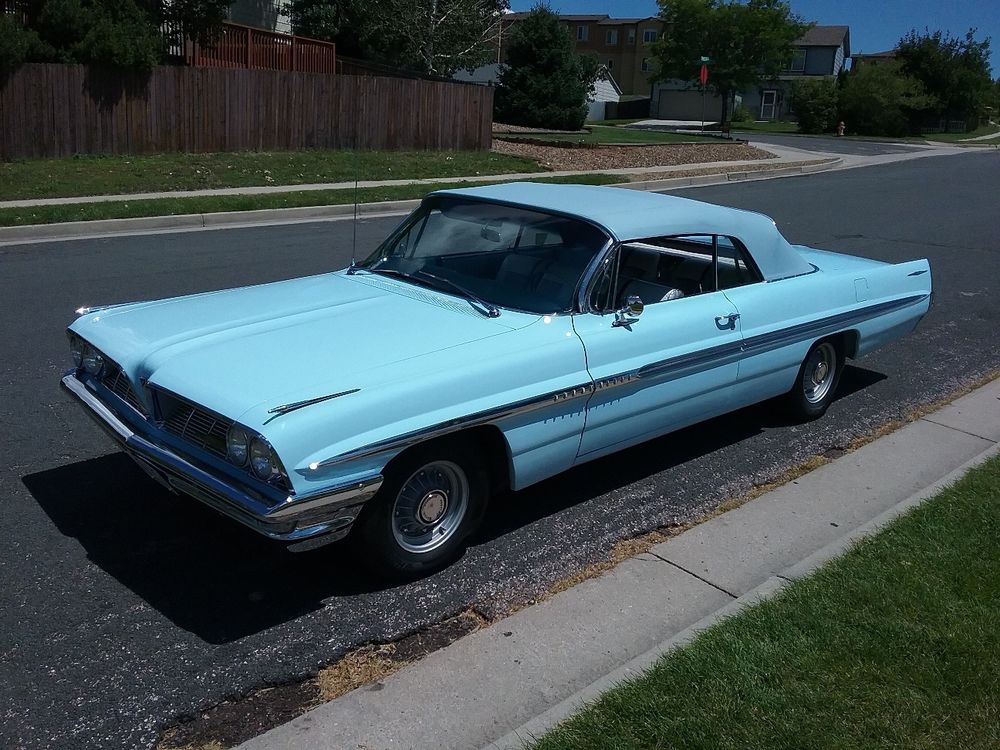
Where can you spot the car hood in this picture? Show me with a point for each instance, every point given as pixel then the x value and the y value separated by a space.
pixel 284 342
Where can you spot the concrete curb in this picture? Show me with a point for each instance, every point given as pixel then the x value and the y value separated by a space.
pixel 517 678
pixel 230 219
pixel 527 732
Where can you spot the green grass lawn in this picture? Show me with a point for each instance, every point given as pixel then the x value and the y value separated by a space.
pixel 956 137
pixel 112 175
pixel 765 127
pixel 212 204
pixel 895 645
pixel 611 134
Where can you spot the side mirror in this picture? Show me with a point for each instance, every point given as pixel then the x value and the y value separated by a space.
pixel 629 314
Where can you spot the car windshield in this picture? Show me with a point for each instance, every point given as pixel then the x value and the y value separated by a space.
pixel 493 255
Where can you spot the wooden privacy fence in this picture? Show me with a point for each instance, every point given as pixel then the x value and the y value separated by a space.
pixel 246 47
pixel 60 110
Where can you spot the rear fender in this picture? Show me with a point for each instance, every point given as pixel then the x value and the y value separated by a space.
pixel 905 291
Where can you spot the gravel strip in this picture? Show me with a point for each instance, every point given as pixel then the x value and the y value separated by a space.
pixel 501 128
pixel 607 157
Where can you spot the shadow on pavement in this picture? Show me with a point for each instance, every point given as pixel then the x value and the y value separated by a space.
pixel 222 582
pixel 206 573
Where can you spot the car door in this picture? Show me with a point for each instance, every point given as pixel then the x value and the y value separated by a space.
pixel 674 364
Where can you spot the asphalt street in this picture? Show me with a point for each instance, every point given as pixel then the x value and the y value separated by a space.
pixel 123 608
pixel 830 145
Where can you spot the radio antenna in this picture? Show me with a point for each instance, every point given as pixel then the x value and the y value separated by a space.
pixel 357 167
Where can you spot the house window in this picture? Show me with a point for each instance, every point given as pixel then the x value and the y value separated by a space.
pixel 646 66
pixel 582 33
pixel 649 36
pixel 631 36
pixel 798 62
pixel 611 37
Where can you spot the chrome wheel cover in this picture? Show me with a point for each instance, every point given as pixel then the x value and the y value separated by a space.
pixel 430 506
pixel 818 373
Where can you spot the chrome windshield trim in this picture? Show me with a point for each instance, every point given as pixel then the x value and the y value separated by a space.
pixel 459 423
pixel 583 292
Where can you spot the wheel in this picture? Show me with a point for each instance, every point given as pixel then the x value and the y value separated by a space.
pixel 432 498
pixel 817 381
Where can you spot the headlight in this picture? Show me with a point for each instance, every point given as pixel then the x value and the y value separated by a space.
pixel 93 360
pixel 237 445
pixel 263 460
pixel 76 347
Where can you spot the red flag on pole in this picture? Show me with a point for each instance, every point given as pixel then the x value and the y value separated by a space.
pixel 703 75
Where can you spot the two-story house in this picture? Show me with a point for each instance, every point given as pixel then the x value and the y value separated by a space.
pixel 619 44
pixel 821 52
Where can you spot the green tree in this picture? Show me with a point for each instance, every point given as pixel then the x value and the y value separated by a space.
pixel 815 103
pixel 438 36
pixel 881 100
pixel 544 83
pixel 200 20
pixel 118 33
pixel 342 21
pixel 121 33
pixel 429 36
pixel 18 43
pixel 954 72
pixel 746 42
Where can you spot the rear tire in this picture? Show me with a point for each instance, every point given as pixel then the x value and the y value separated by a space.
pixel 817 381
pixel 432 499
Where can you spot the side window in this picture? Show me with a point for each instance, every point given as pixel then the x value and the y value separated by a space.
pixel 735 266
pixel 661 269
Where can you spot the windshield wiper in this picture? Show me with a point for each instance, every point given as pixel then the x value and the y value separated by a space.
pixel 434 282
pixel 480 305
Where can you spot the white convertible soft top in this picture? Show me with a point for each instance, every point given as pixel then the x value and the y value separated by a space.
pixel 635 215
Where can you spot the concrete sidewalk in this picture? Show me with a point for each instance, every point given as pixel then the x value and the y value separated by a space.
pixel 501 685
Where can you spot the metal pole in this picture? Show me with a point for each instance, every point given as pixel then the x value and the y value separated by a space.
pixel 702 109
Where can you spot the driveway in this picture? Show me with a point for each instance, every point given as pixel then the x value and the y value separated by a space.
pixel 123 608
pixel 830 145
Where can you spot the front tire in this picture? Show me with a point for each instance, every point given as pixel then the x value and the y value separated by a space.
pixel 817 381
pixel 431 500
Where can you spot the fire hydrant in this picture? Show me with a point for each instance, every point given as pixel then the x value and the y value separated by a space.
pixel 840 128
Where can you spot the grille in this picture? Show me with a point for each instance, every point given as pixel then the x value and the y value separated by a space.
pixel 195 425
pixel 118 383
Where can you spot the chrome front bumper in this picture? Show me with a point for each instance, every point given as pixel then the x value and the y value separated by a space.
pixel 328 514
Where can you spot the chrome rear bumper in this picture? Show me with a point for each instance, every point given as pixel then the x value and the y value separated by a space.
pixel 328 514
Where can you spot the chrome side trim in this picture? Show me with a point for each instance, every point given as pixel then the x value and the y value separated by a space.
pixel 723 354
pixel 459 423
pixel 329 512
pixel 686 364
pixel 793 334
pixel 285 408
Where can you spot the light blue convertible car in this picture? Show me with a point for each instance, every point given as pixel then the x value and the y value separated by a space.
pixel 499 336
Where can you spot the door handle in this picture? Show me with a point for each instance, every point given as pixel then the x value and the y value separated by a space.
pixel 727 321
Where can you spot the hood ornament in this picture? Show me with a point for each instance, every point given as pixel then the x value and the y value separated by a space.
pixel 277 411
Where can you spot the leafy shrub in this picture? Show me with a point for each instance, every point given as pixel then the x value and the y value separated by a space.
pixel 741 114
pixel 815 103
pixel 882 100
